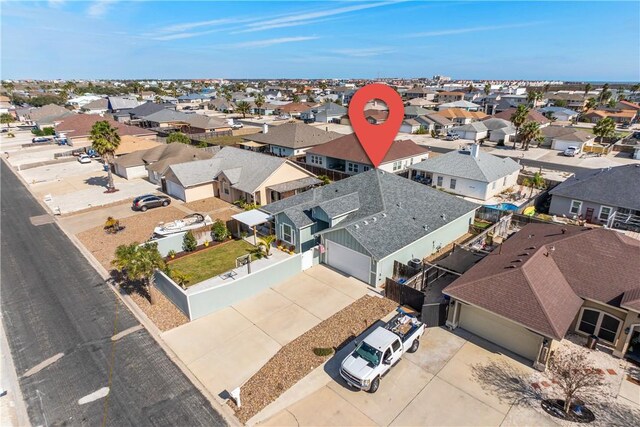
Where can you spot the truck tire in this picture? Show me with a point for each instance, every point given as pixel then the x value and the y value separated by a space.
pixel 375 384
pixel 414 346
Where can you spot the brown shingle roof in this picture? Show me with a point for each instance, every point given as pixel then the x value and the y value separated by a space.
pixel 452 113
pixel 348 147
pixel 79 125
pixel 533 115
pixel 130 144
pixel 544 290
pixel 293 135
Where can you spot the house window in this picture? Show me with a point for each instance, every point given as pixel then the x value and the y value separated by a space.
pixel 225 187
pixel 352 167
pixel 287 233
pixel 439 181
pixel 576 207
pixel 452 184
pixel 605 213
pixel 599 323
pixel 365 168
pixel 397 165
pixel 315 159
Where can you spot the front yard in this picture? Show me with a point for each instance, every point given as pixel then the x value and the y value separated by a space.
pixel 211 262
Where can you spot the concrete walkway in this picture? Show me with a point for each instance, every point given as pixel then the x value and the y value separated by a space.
pixel 224 349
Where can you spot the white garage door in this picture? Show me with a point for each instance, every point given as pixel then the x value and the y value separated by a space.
pixel 175 190
pixel 348 261
pixel 501 332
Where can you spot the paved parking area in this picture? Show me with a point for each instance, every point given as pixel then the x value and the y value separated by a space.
pixel 226 348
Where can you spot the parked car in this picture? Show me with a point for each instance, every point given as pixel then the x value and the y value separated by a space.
pixel 142 203
pixel 571 151
pixel 40 139
pixel 374 356
pixel 452 137
pixel 84 158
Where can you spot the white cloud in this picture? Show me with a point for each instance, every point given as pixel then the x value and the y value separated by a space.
pixel 100 7
pixel 364 52
pixel 271 42
pixel 465 30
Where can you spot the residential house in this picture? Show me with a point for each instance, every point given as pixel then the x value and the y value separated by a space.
pixel 294 109
pixel 573 100
pixel 222 105
pixel 99 106
pixel 411 126
pixel 119 104
pixel 187 123
pixel 608 196
pixel 532 116
pixel 464 105
pixel 345 154
pixel 288 139
pixel 363 224
pixel 559 113
pixel 468 172
pixel 138 114
pixel 435 122
pixel 231 174
pixel 560 138
pixel 422 102
pixel 78 102
pixel 460 116
pixel 547 280
pixel 376 117
pixel 47 116
pixel 500 130
pixel 154 162
pixel 192 100
pixel 76 128
pixel 325 113
pixel 445 96
pixel 130 144
pixel 421 93
pixel 626 116
pixel 5 105
pixel 473 131
pixel 412 111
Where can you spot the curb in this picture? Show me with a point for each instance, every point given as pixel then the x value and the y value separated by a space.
pixel 225 411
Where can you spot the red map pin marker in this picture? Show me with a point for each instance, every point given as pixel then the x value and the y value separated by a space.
pixel 376 139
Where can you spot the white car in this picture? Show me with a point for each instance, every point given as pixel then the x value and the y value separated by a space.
pixel 84 158
pixel 571 151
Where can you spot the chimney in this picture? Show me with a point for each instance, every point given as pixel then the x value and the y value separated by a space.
pixel 475 150
pixel 265 128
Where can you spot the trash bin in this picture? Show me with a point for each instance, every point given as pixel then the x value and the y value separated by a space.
pixel 592 341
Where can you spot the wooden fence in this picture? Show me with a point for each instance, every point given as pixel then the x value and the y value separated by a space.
pixel 403 295
pixel 317 170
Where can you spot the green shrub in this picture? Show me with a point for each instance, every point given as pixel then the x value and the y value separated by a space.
pixel 325 179
pixel 181 279
pixel 189 242
pixel 323 351
pixel 219 230
pixel 171 253
pixel 178 137
pixel 421 131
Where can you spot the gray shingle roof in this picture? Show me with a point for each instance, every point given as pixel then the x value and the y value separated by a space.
pixel 148 108
pixel 294 135
pixel 341 205
pixel 616 187
pixel 331 108
pixel 195 120
pixel 238 165
pixel 122 102
pixel 397 211
pixel 296 184
pixel 485 168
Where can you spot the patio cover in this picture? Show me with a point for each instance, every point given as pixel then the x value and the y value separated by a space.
pixel 252 218
pixel 296 184
pixel 252 144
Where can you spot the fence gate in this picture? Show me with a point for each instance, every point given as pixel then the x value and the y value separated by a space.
pixel 404 295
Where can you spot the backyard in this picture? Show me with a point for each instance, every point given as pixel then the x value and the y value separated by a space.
pixel 211 262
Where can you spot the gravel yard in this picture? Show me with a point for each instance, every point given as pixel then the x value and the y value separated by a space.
pixel 163 313
pixel 138 228
pixel 296 359
pixel 215 207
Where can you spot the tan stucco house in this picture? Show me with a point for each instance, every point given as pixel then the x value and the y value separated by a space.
pixel 234 174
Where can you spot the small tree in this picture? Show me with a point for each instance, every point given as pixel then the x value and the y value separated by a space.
pixel 259 101
pixel 182 279
pixel 178 137
pixel 265 243
pixel 189 242
pixel 140 263
pixel 325 179
pixel 244 108
pixel 604 128
pixel 219 230
pixel 536 181
pixel 530 132
pixel 573 373
pixel 421 131
pixel 6 119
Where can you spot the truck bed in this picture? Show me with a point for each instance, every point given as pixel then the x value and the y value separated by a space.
pixel 403 325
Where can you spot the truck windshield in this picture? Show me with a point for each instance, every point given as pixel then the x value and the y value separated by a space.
pixel 368 353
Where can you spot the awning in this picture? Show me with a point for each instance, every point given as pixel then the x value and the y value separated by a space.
pixel 252 218
pixel 252 144
pixel 296 184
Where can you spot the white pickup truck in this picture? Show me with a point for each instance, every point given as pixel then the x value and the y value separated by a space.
pixel 374 356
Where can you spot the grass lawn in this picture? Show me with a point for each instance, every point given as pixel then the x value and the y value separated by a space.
pixel 225 140
pixel 211 262
pixel 482 225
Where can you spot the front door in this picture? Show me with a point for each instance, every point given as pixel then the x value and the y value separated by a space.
pixel 163 184
pixel 589 215
pixel 633 351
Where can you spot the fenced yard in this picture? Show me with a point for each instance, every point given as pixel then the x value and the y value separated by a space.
pixel 212 261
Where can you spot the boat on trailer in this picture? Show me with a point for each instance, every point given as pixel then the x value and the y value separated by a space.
pixel 189 222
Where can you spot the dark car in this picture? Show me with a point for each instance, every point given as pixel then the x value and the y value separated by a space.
pixel 142 203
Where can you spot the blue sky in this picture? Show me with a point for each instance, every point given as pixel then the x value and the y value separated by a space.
pixel 598 41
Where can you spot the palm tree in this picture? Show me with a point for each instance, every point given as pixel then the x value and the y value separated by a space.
pixel 140 263
pixel 296 98
pixel 518 118
pixel 605 94
pixel 587 89
pixel 227 95
pixel 546 88
pixel 536 181
pixel 105 140
pixel 265 243
pixel 530 132
pixel 591 104
pixel 244 108
pixel 259 102
pixel 471 88
pixel 322 86
pixel 635 88
pixel 605 127
pixel 533 97
pixel 487 89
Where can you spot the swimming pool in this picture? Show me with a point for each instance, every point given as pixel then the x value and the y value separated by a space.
pixel 504 207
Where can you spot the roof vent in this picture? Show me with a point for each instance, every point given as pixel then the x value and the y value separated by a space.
pixel 531 235
pixel 443 216
pixel 356 226
pixel 510 266
pixel 374 219
pixel 531 248
pixel 524 254
pixel 517 260
pixel 425 227
pixel 384 215
pixel 564 230
pixel 399 204
pixel 365 222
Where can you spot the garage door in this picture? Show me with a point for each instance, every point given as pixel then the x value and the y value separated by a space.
pixel 501 332
pixel 348 261
pixel 175 190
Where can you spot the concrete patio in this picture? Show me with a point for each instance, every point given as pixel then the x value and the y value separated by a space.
pixel 226 348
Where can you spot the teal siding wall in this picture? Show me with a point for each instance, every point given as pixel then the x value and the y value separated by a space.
pixel 344 238
pixel 283 219
pixel 424 246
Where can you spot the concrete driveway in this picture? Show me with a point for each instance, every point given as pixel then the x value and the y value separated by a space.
pixel 451 380
pixel 226 348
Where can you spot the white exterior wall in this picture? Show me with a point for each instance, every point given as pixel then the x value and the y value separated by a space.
pixel 561 144
pixel 281 151
pixel 476 189
pixel 131 172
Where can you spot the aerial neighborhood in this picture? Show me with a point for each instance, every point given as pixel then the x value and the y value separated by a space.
pixel 493 251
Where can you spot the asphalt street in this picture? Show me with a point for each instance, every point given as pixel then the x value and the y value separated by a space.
pixel 59 317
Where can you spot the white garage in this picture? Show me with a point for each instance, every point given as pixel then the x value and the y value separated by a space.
pixel 500 331
pixel 348 261
pixel 175 190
